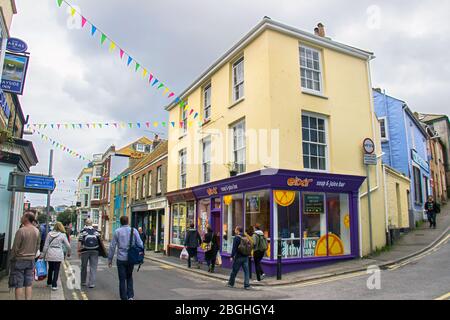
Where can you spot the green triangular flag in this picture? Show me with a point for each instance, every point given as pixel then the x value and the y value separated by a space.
pixel 59 2
pixel 137 66
pixel 103 38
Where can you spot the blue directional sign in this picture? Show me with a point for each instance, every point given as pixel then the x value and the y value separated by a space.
pixel 39 182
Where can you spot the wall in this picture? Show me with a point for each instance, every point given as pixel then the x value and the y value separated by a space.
pixel 5 199
pixel 397 186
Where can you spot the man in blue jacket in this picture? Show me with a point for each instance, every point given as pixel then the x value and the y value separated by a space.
pixel 239 260
pixel 121 240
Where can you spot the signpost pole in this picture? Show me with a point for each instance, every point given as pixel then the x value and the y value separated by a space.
pixel 50 167
pixel 11 218
pixel 370 207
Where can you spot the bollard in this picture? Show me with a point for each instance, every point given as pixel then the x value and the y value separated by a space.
pixel 279 261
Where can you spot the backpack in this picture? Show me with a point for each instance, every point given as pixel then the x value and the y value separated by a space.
pixel 262 243
pixel 245 246
pixel 135 253
pixel 90 240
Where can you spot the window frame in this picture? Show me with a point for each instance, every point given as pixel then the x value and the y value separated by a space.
pixel 204 141
pixel 182 154
pixel 234 149
pixel 149 183
pixel 385 121
pixel 94 197
pixel 184 120
pixel 144 186
pixel 207 107
pixel 140 147
pixel 137 188
pixel 159 180
pixel 320 71
pixel 327 142
pixel 235 85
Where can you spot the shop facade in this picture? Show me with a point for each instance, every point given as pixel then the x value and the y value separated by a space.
pixel 151 218
pixel 314 216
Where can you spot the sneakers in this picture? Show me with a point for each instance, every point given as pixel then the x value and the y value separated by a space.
pixel 248 288
pixel 263 276
pixel 130 298
pixel 229 285
pixel 54 288
pixel 92 286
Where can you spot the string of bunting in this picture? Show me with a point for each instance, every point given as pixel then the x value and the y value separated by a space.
pixel 106 125
pixel 61 146
pixel 154 81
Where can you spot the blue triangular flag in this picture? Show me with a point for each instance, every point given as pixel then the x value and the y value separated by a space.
pixel 94 28
pixel 129 60
pixel 155 82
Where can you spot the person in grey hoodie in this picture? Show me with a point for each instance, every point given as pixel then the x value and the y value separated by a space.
pixel 191 243
pixel 259 250
pixel 53 253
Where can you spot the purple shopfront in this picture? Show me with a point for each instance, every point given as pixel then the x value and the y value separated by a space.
pixel 313 215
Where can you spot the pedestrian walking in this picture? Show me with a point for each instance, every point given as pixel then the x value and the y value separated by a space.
pixel 242 248
pixel 432 208
pixel 259 250
pixel 23 253
pixel 121 240
pixel 249 235
pixel 142 235
pixel 211 243
pixel 53 253
pixel 88 251
pixel 43 232
pixel 191 243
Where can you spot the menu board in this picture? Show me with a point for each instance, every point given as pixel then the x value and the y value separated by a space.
pixel 313 203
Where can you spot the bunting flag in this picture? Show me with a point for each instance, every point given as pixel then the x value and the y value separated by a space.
pixel 100 125
pixel 122 52
pixel 60 146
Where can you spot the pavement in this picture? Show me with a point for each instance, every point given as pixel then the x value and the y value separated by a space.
pixel 408 246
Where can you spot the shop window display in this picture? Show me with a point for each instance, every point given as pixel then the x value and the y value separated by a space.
pixel 233 215
pixel 257 210
pixel 314 225
pixel 287 226
pixel 204 211
pixel 338 224
pixel 178 223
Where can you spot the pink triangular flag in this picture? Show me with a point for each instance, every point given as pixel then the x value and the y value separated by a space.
pixel 121 53
pixel 83 21
pixel 150 78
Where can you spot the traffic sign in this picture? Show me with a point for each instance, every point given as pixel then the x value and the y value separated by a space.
pixel 370 159
pixel 369 146
pixel 39 182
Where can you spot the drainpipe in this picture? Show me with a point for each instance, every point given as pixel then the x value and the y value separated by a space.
pixel 389 143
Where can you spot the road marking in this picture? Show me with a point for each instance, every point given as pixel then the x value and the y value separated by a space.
pixel 330 279
pixel 444 297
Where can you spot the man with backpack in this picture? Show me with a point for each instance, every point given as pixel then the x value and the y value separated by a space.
pixel 259 250
pixel 88 246
pixel 432 208
pixel 126 239
pixel 242 249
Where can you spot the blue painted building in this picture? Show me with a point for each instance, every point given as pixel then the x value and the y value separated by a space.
pixel 404 145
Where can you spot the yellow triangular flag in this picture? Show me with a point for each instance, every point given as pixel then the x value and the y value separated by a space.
pixel 112 46
pixel 165 91
pixel 144 72
pixel 72 12
pixel 186 107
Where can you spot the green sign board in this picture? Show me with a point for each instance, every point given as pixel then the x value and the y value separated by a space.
pixel 313 203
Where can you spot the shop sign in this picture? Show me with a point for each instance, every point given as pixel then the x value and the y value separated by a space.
pixel 161 204
pixel 418 159
pixel 16 45
pixel 309 247
pixel 369 146
pixel 14 72
pixel 314 203
pixel 290 248
pixel 330 184
pixel 370 159
pixel 297 182
pixel 211 191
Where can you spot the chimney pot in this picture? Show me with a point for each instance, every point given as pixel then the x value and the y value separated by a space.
pixel 316 31
pixel 321 29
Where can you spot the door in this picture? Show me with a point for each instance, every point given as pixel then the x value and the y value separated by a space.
pixel 215 224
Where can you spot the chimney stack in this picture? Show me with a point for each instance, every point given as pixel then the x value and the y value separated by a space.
pixel 316 31
pixel 321 29
pixel 156 141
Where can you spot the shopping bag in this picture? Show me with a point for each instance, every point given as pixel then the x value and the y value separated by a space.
pixel 184 255
pixel 40 270
pixel 218 259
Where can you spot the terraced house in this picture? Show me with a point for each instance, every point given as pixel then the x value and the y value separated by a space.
pixel 284 114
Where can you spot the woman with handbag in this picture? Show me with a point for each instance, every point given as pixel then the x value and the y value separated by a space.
pixel 211 247
pixel 53 253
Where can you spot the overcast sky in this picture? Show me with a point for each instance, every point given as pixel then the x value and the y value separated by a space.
pixel 71 78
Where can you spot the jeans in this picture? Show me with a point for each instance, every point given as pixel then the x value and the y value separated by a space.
pixel 192 254
pixel 90 256
pixel 125 271
pixel 237 264
pixel 432 219
pixel 53 273
pixel 258 256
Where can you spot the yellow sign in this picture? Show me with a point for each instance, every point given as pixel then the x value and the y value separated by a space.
pixel 347 221
pixel 335 246
pixel 227 200
pixel 284 198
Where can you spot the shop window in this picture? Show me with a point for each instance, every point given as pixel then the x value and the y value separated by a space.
pixel 204 211
pixel 233 216
pixel 217 203
pixel 287 226
pixel 338 212
pixel 178 223
pixel 314 225
pixel 257 211
pixel 418 198
pixel 190 212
